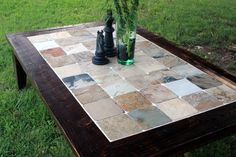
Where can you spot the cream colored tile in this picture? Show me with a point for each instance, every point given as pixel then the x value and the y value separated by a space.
pixel 176 109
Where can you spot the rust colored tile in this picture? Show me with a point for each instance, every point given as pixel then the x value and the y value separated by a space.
pixel 54 52
pixel 132 101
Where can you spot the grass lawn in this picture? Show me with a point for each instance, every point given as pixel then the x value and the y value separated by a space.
pixel 206 27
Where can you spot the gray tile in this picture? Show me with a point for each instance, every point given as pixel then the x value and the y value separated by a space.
pixel 78 81
pixel 182 87
pixel 204 81
pixel 119 127
pixel 149 117
pixel 186 70
pixel 103 109
pixel 128 71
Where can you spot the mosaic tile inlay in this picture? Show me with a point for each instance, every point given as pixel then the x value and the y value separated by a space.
pixel 123 101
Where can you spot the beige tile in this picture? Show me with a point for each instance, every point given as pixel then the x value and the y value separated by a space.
pixel 39 38
pixel 68 70
pixel 103 109
pixel 72 49
pixel 60 35
pixel 143 81
pixel 132 101
pixel 128 71
pixel 148 64
pixel 85 56
pixel 60 61
pixel 109 77
pixel 176 109
pixel 119 127
pixel 157 94
pixel 223 93
pixel 170 61
pixel 90 94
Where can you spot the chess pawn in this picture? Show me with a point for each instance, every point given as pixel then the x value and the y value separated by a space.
pixel 109 41
pixel 100 55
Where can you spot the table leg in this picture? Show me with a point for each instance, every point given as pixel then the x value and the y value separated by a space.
pixel 20 74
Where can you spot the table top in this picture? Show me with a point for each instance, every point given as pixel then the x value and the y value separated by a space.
pixel 165 87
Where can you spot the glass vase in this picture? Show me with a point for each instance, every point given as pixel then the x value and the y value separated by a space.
pixel 125 42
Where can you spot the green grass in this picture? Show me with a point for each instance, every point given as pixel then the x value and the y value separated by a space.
pixel 206 27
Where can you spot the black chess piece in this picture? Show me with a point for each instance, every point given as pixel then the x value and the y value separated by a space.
pixel 100 55
pixel 109 41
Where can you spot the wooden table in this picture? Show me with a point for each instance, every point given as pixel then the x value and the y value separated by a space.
pixel 182 118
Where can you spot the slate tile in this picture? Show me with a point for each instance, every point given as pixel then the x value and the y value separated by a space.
pixel 46 45
pixel 149 117
pixel 102 109
pixel 170 61
pixel 182 87
pixel 204 81
pixel 119 127
pixel 85 56
pixel 39 38
pixel 54 52
pixel 78 81
pixel 68 70
pixel 107 78
pixel 90 94
pixel 132 101
pixel 177 109
pixel 223 93
pixel 165 76
pixel 60 61
pixel 148 64
pixel 202 101
pixel 157 94
pixel 117 88
pixel 60 35
pixel 187 70
pixel 128 71
pixel 74 40
pixel 72 49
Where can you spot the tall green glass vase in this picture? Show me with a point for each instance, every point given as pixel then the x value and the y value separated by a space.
pixel 126 24
pixel 125 41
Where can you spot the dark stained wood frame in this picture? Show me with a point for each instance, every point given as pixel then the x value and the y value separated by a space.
pixel 84 136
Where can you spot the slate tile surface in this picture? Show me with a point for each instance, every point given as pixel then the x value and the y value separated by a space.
pixel 204 81
pixel 90 94
pixel 132 101
pixel 54 52
pixel 46 45
pixel 223 93
pixel 177 109
pixel 182 87
pixel 78 81
pixel 149 117
pixel 157 94
pixel 68 70
pixel 187 70
pixel 60 61
pixel 170 61
pixel 118 127
pixel 102 109
pixel 202 101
